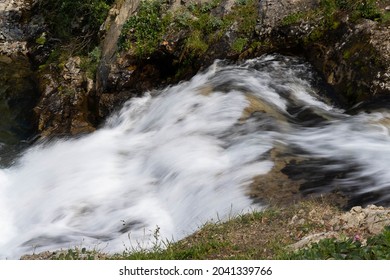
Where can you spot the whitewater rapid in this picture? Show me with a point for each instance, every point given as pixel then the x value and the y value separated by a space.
pixel 172 160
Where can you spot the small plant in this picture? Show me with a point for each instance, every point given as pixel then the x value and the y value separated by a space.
pixel 246 17
pixel 239 44
pixel 41 40
pixel 368 9
pixel 385 17
pixel 195 44
pixel 144 29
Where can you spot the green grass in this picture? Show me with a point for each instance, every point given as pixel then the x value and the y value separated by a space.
pixel 239 44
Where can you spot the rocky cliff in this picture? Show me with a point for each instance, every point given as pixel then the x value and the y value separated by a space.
pixel 347 43
pixel 150 44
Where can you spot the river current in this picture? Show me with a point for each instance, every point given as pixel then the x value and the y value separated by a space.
pixel 174 159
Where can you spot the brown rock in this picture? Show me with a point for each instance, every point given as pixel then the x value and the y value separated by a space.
pixel 64 107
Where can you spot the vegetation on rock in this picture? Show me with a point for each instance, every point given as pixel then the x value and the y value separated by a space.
pixel 328 10
pixel 154 23
pixel 144 29
pixel 75 18
pixel 72 29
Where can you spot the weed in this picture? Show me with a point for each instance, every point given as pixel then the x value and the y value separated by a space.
pixel 195 44
pixel 385 17
pixel 90 62
pixel 41 40
pixel 143 29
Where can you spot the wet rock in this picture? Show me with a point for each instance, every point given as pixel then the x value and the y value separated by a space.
pixel 353 55
pixel 110 32
pixel 357 61
pixel 18 95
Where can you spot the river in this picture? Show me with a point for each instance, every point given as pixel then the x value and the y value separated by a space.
pixel 170 161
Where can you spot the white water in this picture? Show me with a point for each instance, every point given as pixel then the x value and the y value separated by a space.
pixel 180 159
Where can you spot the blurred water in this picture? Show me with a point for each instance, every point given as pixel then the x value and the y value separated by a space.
pixel 173 160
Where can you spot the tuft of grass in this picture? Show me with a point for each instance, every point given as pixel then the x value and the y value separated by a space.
pixel 239 44
pixel 385 18
pixel 77 254
pixel 195 44
pixel 41 40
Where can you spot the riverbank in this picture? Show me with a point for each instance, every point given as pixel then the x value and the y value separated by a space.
pixel 277 233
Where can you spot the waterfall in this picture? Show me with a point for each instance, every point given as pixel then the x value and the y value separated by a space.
pixel 174 159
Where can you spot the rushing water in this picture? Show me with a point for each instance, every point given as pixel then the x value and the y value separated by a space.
pixel 172 160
